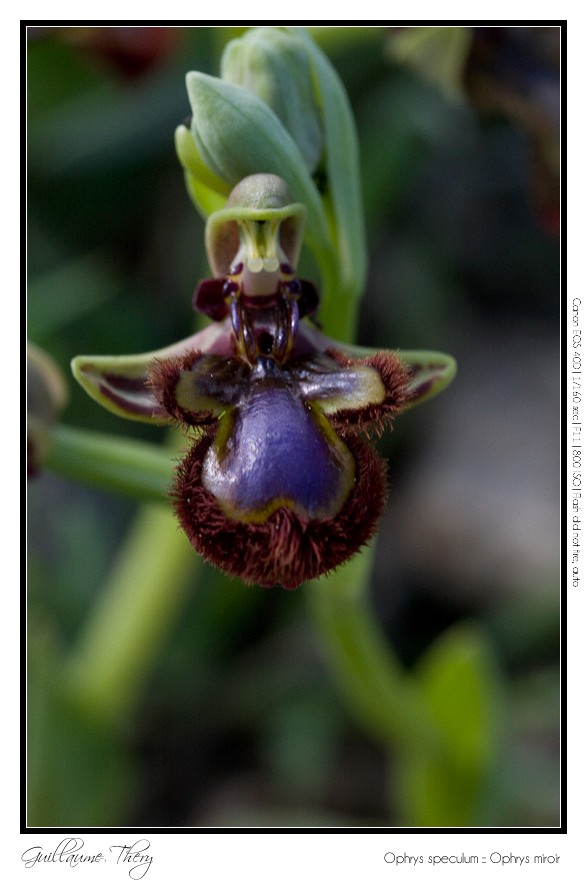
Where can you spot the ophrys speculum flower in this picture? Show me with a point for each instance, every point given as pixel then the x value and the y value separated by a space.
pixel 280 484
pixel 281 487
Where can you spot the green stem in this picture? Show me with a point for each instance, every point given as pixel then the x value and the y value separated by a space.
pixel 339 309
pixel 371 678
pixel 132 618
pixel 362 660
pixel 115 653
pixel 111 463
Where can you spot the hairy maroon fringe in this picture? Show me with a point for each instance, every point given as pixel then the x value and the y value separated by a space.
pixel 285 549
pixel 163 377
pixel 375 418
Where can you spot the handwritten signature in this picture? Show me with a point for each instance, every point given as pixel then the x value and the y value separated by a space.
pixel 69 851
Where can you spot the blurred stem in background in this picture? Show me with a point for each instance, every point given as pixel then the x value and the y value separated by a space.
pixel 136 610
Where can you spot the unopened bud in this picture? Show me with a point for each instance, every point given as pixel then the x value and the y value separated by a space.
pixel 275 65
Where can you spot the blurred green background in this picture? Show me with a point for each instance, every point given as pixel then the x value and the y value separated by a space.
pixel 238 720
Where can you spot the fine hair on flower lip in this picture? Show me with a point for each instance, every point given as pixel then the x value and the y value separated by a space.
pixel 284 550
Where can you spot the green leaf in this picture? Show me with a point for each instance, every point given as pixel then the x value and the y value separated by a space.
pixel 460 689
pixel 457 675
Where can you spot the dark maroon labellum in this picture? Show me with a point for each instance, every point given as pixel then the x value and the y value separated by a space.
pixel 281 488
pixel 286 548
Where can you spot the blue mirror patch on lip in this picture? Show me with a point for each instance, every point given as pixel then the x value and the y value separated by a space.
pixel 276 450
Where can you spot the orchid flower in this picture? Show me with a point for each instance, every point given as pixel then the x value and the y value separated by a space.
pixel 280 482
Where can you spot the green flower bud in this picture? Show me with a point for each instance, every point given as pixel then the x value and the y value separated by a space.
pixel 276 66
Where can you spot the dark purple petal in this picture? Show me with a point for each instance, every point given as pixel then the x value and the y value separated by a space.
pixel 210 298
pixel 196 388
pixel 354 392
